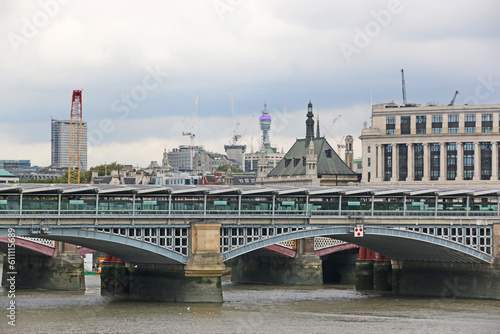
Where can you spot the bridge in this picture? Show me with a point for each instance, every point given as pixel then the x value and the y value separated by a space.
pixel 178 224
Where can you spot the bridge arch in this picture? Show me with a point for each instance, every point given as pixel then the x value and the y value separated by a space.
pixel 127 249
pixel 397 244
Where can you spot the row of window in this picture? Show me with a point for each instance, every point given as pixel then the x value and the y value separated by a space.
pixel 437 121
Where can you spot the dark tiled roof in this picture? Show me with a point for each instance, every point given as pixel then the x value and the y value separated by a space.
pixel 329 162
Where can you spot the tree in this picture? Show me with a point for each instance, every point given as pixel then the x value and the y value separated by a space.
pixel 84 177
pixel 223 168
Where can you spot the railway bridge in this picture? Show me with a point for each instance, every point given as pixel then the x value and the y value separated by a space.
pixel 183 235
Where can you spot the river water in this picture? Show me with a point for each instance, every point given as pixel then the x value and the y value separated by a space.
pixel 249 309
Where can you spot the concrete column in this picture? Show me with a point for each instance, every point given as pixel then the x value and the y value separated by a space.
pixel 395 163
pixel 380 162
pixel 426 163
pixel 442 162
pixel 460 162
pixel 411 160
pixel 382 280
pixel 477 161
pixel 494 161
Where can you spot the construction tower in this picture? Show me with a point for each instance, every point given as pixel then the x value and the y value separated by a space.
pixel 75 138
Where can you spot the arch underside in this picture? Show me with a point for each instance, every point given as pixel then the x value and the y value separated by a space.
pixel 393 243
pixel 126 249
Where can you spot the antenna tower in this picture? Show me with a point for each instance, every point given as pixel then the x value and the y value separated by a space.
pixel 403 85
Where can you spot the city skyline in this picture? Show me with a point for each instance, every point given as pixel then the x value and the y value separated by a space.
pixel 142 66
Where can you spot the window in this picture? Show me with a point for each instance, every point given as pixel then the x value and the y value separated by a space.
pixel 487 123
pixel 369 162
pixel 390 125
pixel 421 124
pixel 470 117
pixel 405 125
pixel 437 118
pixel 452 123
pixel 421 131
pixel 487 117
pixel 468 146
pixel 470 129
pixel 437 130
pixel 369 149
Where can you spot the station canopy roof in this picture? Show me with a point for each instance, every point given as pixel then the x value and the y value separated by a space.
pixel 228 190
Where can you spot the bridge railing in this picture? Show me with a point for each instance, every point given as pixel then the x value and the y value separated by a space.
pixel 248 213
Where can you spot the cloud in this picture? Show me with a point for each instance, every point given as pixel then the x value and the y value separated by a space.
pixel 281 53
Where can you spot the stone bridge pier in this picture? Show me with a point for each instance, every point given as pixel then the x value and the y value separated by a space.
pixel 58 268
pixel 198 281
pixel 267 266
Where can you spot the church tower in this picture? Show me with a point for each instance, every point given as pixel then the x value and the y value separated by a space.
pixel 309 123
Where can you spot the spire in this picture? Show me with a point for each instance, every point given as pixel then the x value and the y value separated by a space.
pixel 309 123
pixel 317 123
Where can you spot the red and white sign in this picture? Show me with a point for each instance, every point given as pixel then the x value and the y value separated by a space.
pixel 358 231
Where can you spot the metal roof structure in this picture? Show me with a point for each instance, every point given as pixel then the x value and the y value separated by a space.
pixel 116 190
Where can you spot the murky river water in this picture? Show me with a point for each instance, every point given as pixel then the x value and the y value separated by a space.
pixel 250 309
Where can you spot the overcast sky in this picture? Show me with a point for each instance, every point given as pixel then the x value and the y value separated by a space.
pixel 142 64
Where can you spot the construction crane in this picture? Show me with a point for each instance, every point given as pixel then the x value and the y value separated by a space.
pixel 453 99
pixel 75 138
pixel 340 146
pixel 403 86
pixel 191 132
pixel 236 136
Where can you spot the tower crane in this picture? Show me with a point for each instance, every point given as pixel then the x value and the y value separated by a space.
pixel 453 99
pixel 340 146
pixel 236 136
pixel 191 133
pixel 75 138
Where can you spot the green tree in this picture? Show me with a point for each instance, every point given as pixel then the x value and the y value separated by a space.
pixel 223 168
pixel 101 170
pixel 84 177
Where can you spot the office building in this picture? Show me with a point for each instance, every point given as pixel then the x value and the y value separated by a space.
pixel 433 145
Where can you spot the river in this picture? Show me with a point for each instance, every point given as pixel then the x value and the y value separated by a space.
pixel 249 309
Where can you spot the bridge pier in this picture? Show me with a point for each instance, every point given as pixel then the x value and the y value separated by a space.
pixel 304 270
pixel 198 281
pixel 62 272
pixel 364 270
pixel 448 280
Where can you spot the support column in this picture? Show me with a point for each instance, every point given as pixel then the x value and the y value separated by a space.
pixel 426 163
pixel 364 269
pixel 395 163
pixel 477 161
pixel 442 162
pixel 380 158
pixel 494 161
pixel 460 162
pixel 411 161
pixel 382 280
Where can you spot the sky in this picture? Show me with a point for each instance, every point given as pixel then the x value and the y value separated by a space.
pixel 142 66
